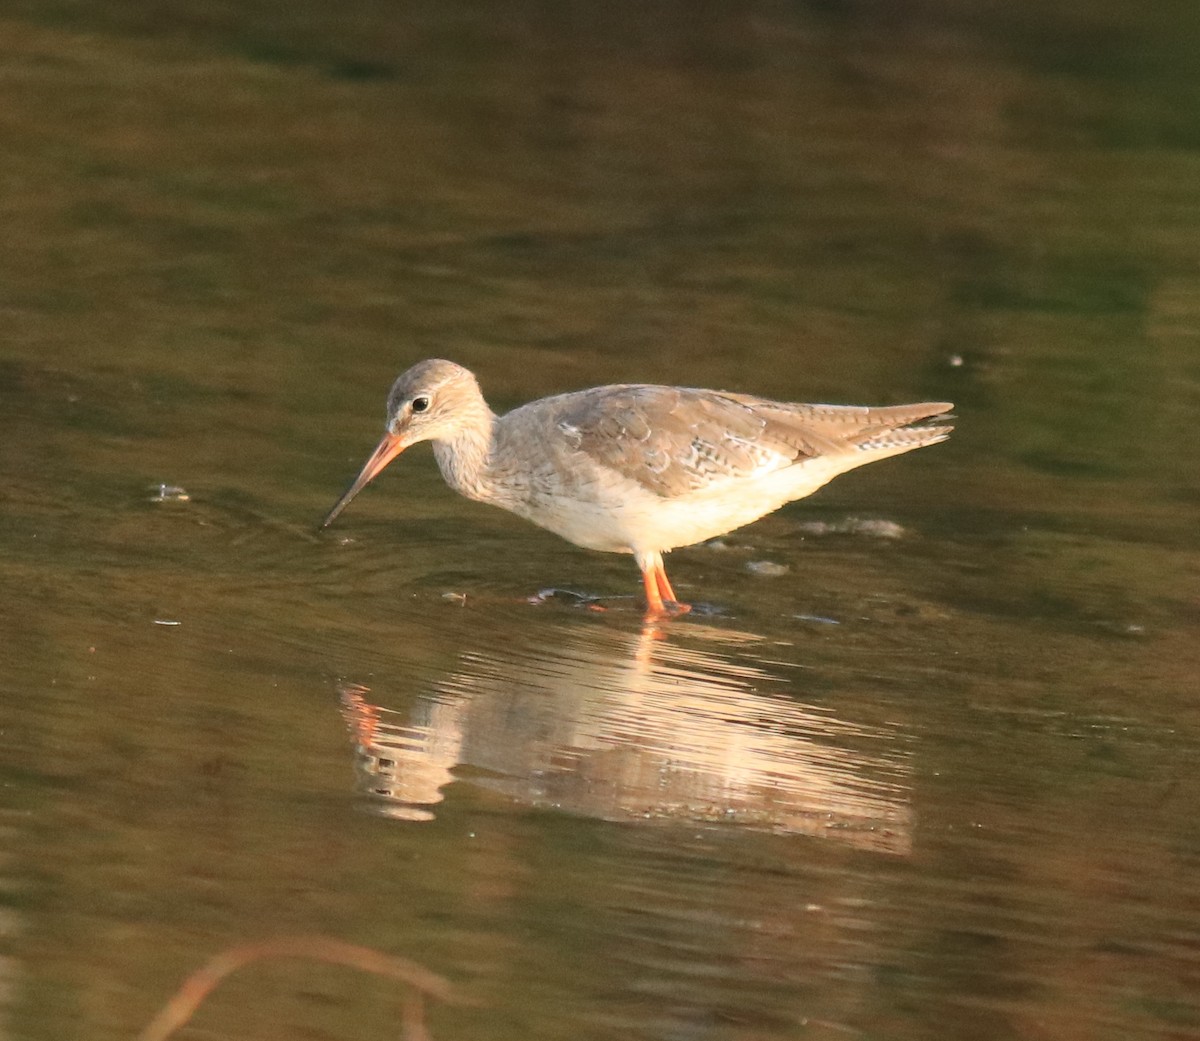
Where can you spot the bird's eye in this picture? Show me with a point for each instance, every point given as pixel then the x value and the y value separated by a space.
pixel 420 404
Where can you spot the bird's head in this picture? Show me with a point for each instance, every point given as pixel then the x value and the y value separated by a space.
pixel 432 401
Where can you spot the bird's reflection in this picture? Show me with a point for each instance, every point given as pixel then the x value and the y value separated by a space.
pixel 697 727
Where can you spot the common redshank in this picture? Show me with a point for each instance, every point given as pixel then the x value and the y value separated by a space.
pixel 635 468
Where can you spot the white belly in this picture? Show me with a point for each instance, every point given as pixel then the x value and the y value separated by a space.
pixel 626 518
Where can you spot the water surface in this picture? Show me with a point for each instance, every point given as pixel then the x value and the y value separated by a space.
pixel 922 762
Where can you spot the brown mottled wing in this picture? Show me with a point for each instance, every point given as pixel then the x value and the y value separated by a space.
pixel 675 440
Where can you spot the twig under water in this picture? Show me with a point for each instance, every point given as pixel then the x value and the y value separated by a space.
pixel 183 1004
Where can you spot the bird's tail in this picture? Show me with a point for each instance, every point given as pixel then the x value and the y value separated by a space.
pixel 893 429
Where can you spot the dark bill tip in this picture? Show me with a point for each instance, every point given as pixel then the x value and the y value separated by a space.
pixel 387 450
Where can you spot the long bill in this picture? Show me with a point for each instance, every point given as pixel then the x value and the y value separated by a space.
pixel 387 450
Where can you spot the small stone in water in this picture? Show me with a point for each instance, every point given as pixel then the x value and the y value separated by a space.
pixel 872 527
pixel 767 568
pixel 588 600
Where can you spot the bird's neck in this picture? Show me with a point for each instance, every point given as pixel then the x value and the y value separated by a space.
pixel 465 458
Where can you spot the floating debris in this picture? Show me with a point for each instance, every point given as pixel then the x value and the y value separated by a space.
pixel 169 493
pixel 1131 630
pixel 816 619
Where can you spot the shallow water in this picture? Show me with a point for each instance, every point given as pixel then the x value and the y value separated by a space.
pixel 922 762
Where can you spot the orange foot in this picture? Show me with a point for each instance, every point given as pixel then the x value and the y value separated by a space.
pixel 660 597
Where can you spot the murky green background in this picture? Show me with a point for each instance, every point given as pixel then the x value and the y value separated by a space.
pixel 940 785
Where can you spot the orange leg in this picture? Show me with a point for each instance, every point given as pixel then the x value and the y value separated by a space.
pixel 666 592
pixel 659 592
pixel 654 600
